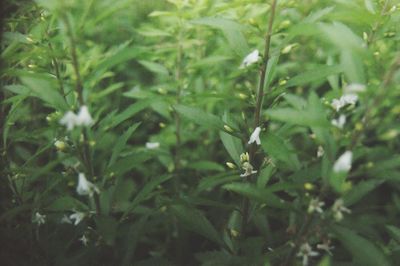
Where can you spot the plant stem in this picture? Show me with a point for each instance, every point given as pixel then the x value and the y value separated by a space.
pixel 376 101
pixel 79 90
pixel 258 108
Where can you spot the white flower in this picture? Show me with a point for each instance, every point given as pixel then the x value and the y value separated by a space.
pixel 349 98
pixel 339 123
pixel 248 168
pixel 84 118
pixel 65 220
pixel 354 88
pixel 343 164
pixel 84 240
pixel 77 216
pixel 320 151
pixel 255 136
pixel 250 59
pixel 305 252
pixel 39 218
pixel 346 99
pixel 326 247
pixel 152 145
pixel 338 208
pixel 69 120
pixel 85 187
pixel 315 205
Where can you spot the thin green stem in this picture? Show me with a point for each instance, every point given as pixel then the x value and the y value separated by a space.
pixel 258 108
pixel 79 89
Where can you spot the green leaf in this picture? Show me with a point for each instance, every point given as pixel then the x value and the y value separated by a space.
pixel 44 88
pixel 233 145
pixel 114 120
pixel 318 73
pixel 67 203
pixel 364 252
pixel 261 195
pixel 195 221
pixel 231 30
pixel 297 117
pixel 144 192
pixel 271 69
pixel 119 146
pixel 206 166
pixel 279 150
pixel 199 117
pixel 265 175
pixel 394 232
pixel 154 67
pixel 210 182
pixel 107 227
pixel 360 190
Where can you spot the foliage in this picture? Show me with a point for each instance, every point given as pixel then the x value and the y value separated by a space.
pixel 167 173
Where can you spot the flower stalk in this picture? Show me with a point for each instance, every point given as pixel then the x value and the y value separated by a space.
pixel 85 153
pixel 258 108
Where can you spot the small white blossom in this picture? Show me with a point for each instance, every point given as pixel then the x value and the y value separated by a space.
pixel 39 218
pixel 339 123
pixel 85 187
pixel 315 205
pixel 305 252
pixel 255 136
pixel 77 216
pixel 152 145
pixel 325 246
pixel 250 59
pixel 248 168
pixel 346 99
pixel 320 151
pixel 349 98
pixel 84 118
pixel 343 164
pixel 65 220
pixel 69 120
pixel 84 240
pixel 338 208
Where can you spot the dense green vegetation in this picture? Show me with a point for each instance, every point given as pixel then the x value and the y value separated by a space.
pixel 200 132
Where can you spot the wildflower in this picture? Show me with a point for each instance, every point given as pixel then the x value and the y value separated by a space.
pixel 231 165
pixel 326 247
pixel 347 99
pixel 65 220
pixel 77 216
pixel 255 136
pixel 84 118
pixel 343 164
pixel 305 252
pixel 339 123
pixel 39 218
pixel 250 59
pixel 248 168
pixel 152 145
pixel 69 120
pixel 320 151
pixel 315 205
pixel 60 145
pixel 85 187
pixel 244 157
pixel 84 240
pixel 338 208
